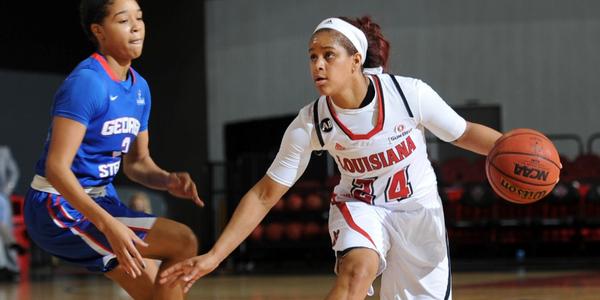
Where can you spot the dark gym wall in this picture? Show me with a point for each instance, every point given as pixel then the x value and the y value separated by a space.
pixel 173 63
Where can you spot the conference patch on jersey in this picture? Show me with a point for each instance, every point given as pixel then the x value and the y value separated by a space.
pixel 326 125
pixel 140 100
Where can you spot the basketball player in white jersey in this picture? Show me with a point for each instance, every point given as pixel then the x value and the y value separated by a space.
pixel 386 215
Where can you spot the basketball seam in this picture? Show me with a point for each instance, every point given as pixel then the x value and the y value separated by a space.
pixel 529 154
pixel 503 138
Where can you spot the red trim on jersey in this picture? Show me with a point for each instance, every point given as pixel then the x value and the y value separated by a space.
pixel 380 116
pixel 348 217
pixel 132 75
pixel 332 200
pixel 105 66
pixel 108 70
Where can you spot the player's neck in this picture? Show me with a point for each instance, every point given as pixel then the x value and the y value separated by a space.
pixel 120 67
pixel 352 97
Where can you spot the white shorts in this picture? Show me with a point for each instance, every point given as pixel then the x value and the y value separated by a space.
pixel 412 247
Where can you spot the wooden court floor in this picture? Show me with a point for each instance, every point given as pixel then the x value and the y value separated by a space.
pixel 521 285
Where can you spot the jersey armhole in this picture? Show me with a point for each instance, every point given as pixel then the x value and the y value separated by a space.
pixel 393 77
pixel 317 127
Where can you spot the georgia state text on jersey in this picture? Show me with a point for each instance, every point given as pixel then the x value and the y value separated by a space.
pixel 113 111
pixel 380 149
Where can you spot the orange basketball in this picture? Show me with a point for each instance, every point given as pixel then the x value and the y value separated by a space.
pixel 523 167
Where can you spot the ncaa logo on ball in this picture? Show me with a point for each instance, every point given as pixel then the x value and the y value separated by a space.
pixel 530 172
pixel 326 125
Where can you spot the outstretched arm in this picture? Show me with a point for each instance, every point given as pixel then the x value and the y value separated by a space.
pixel 253 207
pixel 288 166
pixel 139 167
pixel 478 138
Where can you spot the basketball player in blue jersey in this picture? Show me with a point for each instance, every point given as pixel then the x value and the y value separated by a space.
pixel 100 125
pixel 386 216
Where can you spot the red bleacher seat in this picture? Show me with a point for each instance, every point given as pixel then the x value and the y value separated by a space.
pixel 477 171
pixel 587 167
pixel 455 170
pixel 20 233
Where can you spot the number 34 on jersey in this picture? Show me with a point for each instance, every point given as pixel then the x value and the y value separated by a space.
pixel 397 188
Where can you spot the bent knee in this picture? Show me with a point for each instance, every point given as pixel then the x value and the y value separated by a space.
pixel 359 268
pixel 358 273
pixel 187 240
pixel 171 240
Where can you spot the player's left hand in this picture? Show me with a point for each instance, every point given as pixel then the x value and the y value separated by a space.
pixel 180 184
pixel 188 271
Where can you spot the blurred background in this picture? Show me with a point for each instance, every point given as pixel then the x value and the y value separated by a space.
pixel 227 77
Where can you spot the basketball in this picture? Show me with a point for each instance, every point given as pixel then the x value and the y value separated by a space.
pixel 523 166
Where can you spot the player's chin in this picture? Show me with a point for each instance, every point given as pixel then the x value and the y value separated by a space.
pixel 323 90
pixel 135 52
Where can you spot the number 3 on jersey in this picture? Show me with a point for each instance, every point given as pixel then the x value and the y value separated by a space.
pixel 397 188
pixel 125 145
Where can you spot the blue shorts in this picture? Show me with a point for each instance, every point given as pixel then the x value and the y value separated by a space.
pixel 55 226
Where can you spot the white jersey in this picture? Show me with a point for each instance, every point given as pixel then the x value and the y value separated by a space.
pixel 380 149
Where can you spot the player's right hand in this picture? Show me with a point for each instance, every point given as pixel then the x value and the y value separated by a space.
pixel 123 242
pixel 189 271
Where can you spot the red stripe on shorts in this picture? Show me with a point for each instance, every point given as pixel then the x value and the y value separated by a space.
pixel 92 239
pixel 52 213
pixel 348 217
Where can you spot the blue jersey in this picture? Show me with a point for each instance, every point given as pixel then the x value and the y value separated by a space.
pixel 113 111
